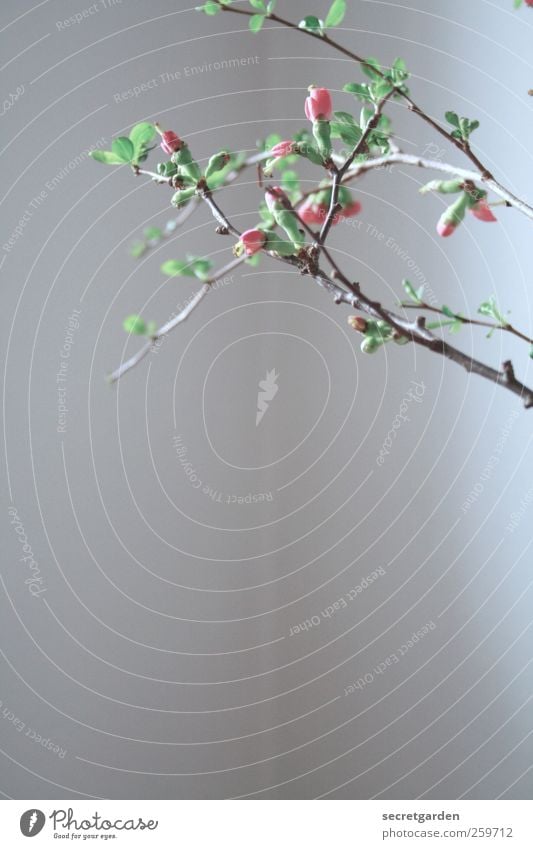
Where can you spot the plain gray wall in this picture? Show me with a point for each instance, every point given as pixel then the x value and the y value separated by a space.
pixel 158 655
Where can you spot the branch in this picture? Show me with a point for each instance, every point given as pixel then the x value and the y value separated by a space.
pixel 484 173
pixel 415 331
pixel 170 325
pixel 475 321
pixel 338 174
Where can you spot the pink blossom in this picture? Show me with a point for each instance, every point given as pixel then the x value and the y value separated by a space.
pixel 170 142
pixel 445 227
pixel 319 105
pixel 312 213
pixel 481 209
pixel 253 241
pixel 282 148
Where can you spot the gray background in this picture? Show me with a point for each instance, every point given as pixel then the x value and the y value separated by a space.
pixel 159 656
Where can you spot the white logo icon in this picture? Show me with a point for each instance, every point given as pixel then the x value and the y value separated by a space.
pixel 268 389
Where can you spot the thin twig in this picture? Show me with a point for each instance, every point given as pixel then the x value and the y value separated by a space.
pixel 475 321
pixel 170 325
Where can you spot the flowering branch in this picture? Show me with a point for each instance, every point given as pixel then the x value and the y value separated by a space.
pixel 295 225
pixel 461 141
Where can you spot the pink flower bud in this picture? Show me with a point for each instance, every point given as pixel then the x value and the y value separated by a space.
pixel 319 105
pixel 445 227
pixel 170 142
pixel 312 213
pixel 282 148
pixel 529 2
pixel 253 241
pixel 275 195
pixel 481 209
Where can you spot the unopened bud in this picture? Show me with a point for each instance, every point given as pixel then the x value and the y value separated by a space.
pixel 358 323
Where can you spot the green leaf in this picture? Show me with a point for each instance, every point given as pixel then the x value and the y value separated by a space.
pixel 447 311
pixel 135 324
pixel 290 181
pixel 271 5
pixel 256 22
pixel 410 290
pixel 137 249
pixel 452 118
pixel 177 268
pixel 517 4
pixel 336 13
pixel 123 148
pixel 490 308
pixel 371 68
pixel 140 136
pixel 360 90
pixel 345 118
pixel 312 24
pixel 258 4
pixel 348 133
pixel 152 233
pixel 381 89
pixel 209 7
pixel 400 67
pixel 106 157
pixel 201 267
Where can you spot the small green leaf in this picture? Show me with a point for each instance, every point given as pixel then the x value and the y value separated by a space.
pixel 177 268
pixel 490 308
pixel 312 24
pixel 140 136
pixel 381 89
pixel 256 22
pixel 400 67
pixel 135 325
pixel 410 290
pixel 209 7
pixel 336 13
pixel 447 311
pixel 455 326
pixel 290 182
pixel 360 90
pixel 349 134
pixel 152 233
pixel 271 5
pixel 137 249
pixel 106 157
pixel 517 4
pixel 123 148
pixel 452 118
pixel 371 68
pixel 345 118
